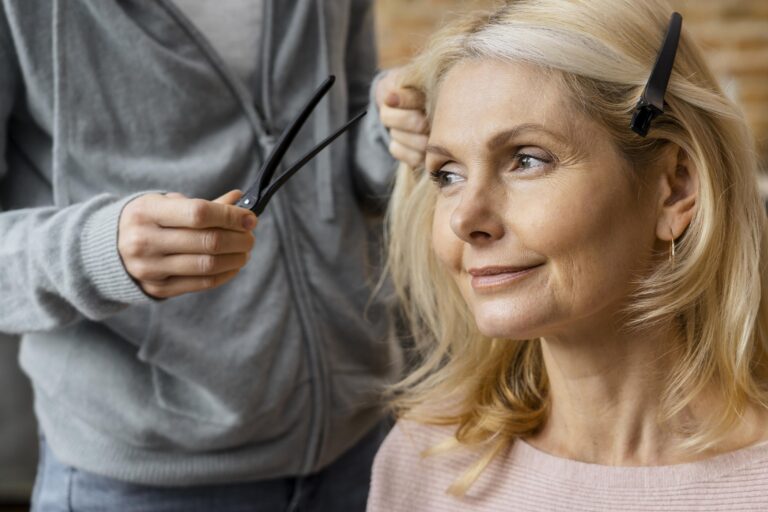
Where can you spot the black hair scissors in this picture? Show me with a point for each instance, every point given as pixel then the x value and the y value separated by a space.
pixel 258 195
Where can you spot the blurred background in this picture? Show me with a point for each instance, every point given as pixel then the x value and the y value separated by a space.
pixel 734 34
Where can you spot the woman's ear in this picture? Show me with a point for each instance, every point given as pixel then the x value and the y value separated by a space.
pixel 679 194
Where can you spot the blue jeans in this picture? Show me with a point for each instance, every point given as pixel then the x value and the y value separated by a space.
pixel 342 486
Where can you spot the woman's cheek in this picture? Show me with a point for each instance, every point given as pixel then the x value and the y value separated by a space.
pixel 557 220
pixel 446 245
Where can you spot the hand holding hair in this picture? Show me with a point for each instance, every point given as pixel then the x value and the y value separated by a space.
pixel 401 110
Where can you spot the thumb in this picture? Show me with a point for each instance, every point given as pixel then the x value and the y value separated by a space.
pixel 230 197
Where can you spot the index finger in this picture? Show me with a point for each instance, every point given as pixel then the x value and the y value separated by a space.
pixel 201 214
pixel 413 121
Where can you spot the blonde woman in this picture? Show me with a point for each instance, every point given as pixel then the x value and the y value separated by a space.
pixel 590 302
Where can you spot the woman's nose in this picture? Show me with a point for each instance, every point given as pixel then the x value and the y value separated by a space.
pixel 476 218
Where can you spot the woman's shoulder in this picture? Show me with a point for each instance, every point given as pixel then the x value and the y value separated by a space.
pixel 405 477
pixel 405 446
pixel 415 433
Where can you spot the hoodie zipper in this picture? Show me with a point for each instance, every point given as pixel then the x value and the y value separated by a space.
pixel 289 249
pixel 298 285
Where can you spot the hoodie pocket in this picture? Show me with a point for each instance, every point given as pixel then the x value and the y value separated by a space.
pixel 233 356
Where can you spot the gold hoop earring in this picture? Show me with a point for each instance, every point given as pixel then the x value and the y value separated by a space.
pixel 672 247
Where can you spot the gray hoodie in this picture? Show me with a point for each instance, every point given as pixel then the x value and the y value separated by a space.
pixel 277 372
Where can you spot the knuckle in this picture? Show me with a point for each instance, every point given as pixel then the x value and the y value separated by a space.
pixel 134 244
pixel 206 264
pixel 132 213
pixel 141 270
pixel 198 211
pixel 207 283
pixel 212 241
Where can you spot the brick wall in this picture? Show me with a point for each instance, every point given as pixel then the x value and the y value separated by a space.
pixel 734 34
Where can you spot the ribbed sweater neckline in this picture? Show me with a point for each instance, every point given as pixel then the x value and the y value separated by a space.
pixel 528 458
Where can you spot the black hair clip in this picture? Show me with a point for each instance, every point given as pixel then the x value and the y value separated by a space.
pixel 651 103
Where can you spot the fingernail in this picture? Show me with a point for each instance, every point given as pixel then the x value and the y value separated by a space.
pixel 249 222
pixel 393 99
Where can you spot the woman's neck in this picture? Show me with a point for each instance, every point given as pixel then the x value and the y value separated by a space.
pixel 605 401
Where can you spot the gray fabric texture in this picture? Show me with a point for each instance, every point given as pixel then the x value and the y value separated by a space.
pixel 233 27
pixel 277 372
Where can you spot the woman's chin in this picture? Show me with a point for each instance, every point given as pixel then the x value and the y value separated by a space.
pixel 506 328
pixel 512 316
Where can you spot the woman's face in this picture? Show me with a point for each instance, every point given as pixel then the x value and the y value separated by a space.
pixel 537 219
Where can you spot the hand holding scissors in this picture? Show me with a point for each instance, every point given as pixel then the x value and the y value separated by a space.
pixel 171 244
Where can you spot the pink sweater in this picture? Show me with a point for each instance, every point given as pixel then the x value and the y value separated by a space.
pixel 526 479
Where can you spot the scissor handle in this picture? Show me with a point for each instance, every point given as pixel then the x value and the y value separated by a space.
pixel 268 192
pixel 253 194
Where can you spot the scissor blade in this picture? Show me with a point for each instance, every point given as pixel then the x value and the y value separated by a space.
pixel 254 192
pixel 273 187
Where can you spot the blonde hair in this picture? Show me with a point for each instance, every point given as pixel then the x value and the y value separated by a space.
pixel 494 390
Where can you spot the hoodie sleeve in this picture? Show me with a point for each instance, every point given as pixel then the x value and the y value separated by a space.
pixel 56 264
pixel 372 163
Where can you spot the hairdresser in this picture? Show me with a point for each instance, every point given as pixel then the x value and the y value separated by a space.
pixel 185 354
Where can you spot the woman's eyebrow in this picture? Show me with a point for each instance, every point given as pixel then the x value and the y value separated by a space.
pixel 501 138
pixel 504 136
pixel 440 150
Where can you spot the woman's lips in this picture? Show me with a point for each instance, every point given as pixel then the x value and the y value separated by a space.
pixel 488 278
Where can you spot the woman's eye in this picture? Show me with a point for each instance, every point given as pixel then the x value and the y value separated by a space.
pixel 525 161
pixel 445 178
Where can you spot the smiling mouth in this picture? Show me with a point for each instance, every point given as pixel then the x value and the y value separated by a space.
pixel 490 278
